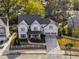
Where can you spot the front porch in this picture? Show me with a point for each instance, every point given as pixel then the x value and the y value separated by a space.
pixel 35 40
pixel 36 37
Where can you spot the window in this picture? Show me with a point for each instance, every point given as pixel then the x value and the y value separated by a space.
pixel 2 30
pixel 23 35
pixel 22 29
pixel 1 42
pixel 35 28
pixel 50 27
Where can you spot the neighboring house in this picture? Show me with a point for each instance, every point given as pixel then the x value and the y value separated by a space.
pixel 4 30
pixel 33 26
pixel 73 24
pixel 73 21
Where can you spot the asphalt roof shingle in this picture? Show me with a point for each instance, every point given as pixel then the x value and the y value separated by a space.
pixel 4 19
pixel 29 19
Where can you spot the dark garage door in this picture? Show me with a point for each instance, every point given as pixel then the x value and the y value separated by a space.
pixel 50 34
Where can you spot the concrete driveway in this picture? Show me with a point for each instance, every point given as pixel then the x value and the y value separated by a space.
pixel 52 45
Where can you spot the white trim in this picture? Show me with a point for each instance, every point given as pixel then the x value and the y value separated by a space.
pixel 23 22
pixel 54 30
pixel 35 22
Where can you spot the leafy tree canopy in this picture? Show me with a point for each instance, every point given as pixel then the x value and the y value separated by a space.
pixel 32 7
pixel 73 1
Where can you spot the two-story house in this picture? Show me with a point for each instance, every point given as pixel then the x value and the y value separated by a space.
pixel 4 30
pixel 35 26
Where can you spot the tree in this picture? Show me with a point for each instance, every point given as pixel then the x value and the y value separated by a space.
pixel 74 4
pixel 32 7
pixel 1 8
pixel 56 10
pixel 68 47
pixel 75 32
pixel 22 2
pixel 7 5
pixel 51 7
pixel 76 7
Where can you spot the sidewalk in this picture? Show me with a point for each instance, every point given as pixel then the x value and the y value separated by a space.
pixel 38 56
pixel 40 51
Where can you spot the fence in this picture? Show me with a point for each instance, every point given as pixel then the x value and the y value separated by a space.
pixel 28 46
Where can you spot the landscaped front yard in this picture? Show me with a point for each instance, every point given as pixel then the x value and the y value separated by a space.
pixel 63 41
pixel 24 44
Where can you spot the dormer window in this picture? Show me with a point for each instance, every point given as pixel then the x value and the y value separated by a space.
pixel 2 30
pixel 22 29
pixel 50 27
pixel 35 28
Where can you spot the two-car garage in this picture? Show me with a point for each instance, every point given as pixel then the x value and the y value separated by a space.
pixel 50 34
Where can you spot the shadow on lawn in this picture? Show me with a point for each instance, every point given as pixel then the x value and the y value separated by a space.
pixel 13 55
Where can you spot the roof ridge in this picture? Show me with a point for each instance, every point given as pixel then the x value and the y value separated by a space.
pixel 30 18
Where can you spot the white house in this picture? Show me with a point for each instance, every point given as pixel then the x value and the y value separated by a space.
pixel 30 26
pixel 4 30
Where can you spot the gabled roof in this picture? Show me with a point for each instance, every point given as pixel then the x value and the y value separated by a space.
pixel 29 19
pixel 4 19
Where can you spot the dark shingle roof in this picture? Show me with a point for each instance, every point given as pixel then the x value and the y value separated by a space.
pixel 4 19
pixel 29 19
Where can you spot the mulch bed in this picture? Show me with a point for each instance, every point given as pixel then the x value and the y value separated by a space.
pixel 37 40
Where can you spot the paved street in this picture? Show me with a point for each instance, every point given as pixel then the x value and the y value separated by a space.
pixel 38 56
